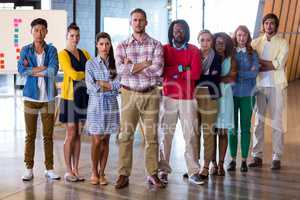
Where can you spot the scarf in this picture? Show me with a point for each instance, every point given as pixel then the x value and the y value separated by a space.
pixel 206 63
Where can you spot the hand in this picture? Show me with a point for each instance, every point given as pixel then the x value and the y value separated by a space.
pixel 127 61
pixel 147 63
pixel 38 75
pixel 25 62
pixel 104 85
pixel 38 69
pixel 139 67
pixel 214 72
pixel 175 76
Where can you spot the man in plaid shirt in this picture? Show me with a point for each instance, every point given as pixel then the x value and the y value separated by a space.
pixel 139 64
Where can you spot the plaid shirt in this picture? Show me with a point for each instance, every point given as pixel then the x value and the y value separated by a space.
pixel 137 52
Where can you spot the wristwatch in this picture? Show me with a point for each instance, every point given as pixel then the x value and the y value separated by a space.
pixel 180 68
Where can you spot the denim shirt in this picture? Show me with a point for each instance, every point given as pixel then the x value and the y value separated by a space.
pixel 31 89
pixel 245 84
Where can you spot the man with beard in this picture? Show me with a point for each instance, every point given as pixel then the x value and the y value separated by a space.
pixel 139 62
pixel 181 71
pixel 271 83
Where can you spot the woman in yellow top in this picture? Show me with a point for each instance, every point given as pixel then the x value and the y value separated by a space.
pixel 74 100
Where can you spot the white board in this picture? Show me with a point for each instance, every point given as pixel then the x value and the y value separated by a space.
pixel 15 32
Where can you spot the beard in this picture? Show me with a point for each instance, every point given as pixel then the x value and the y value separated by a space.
pixel 179 40
pixel 270 32
pixel 139 30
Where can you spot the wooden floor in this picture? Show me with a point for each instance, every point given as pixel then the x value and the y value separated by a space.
pixel 256 184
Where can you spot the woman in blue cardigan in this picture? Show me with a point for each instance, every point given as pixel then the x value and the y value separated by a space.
pixel 243 95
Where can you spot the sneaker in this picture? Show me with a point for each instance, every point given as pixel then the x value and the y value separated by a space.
pixel 163 177
pixel 51 175
pixel 231 166
pixel 196 179
pixel 276 165
pixel 28 175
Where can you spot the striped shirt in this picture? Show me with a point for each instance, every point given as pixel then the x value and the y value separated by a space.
pixel 139 51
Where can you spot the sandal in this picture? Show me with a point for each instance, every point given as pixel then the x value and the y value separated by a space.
pixel 221 171
pixel 204 175
pixel 214 170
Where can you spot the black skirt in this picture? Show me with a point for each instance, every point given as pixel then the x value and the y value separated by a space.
pixel 72 111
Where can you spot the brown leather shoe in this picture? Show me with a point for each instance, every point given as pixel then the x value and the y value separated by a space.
pixel 122 182
pixel 256 162
pixel 154 180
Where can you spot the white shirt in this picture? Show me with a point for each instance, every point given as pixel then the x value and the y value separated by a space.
pixel 41 81
pixel 266 79
pixel 239 49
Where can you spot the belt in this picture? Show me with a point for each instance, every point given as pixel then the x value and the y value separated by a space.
pixel 141 91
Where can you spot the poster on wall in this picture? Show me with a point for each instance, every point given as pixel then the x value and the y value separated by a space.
pixel 15 32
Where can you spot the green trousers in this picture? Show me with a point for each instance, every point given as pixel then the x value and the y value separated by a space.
pixel 244 106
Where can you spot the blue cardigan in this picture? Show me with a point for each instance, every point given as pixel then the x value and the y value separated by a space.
pixel 245 84
pixel 31 89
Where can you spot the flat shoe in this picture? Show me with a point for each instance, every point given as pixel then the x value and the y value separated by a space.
pixel 70 177
pixel 94 180
pixel 102 180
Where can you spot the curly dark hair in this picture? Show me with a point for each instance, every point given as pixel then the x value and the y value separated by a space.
pixel 185 27
pixel 228 43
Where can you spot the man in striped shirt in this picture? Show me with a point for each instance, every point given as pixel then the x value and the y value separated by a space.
pixel 139 64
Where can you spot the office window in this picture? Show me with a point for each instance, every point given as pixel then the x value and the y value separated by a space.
pixel 118 28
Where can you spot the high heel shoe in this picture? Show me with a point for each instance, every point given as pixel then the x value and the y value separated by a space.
pixel 70 177
pixel 204 173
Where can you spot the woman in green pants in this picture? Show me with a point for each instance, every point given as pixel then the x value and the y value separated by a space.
pixel 243 95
